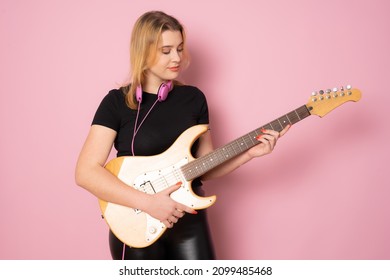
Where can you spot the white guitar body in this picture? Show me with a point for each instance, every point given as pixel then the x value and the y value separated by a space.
pixel 151 175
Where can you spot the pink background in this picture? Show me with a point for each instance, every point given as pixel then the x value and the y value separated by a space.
pixel 324 192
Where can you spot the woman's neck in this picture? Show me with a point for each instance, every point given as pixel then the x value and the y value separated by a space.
pixel 152 85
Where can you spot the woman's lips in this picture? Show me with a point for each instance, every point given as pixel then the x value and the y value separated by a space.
pixel 174 69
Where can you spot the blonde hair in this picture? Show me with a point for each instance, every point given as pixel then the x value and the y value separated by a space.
pixel 143 48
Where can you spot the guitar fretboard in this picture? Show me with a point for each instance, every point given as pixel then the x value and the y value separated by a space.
pixel 205 163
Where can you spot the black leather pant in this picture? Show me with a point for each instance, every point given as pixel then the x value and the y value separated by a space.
pixel 189 239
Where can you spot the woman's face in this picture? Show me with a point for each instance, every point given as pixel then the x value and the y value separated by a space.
pixel 168 57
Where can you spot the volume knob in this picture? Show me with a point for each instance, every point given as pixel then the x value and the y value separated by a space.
pixel 152 230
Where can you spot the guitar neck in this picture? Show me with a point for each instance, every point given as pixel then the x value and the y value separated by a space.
pixel 202 165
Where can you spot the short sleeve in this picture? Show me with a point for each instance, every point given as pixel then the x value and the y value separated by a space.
pixel 204 111
pixel 108 112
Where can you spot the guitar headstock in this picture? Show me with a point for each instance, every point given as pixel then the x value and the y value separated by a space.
pixel 322 102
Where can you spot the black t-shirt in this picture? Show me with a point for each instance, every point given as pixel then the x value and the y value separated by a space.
pixel 184 107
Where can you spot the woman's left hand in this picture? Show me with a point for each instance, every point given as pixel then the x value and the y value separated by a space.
pixel 267 141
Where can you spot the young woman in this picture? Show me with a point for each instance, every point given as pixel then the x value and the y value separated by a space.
pixel 144 118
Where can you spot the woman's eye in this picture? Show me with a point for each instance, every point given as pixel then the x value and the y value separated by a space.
pixel 166 51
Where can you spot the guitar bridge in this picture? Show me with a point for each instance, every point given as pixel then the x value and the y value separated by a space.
pixel 147 187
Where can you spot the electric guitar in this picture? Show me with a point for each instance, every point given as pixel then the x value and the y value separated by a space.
pixel 153 174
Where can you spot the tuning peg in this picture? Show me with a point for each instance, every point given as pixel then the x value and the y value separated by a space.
pixel 349 87
pixel 335 89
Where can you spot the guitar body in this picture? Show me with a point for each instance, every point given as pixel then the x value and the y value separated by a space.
pixel 152 174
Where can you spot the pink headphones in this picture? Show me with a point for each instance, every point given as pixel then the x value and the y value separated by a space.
pixel 162 92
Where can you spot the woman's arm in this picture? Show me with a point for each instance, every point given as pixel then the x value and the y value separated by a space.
pixel 91 175
pixel 267 142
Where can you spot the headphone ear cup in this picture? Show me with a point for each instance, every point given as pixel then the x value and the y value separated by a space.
pixel 138 93
pixel 163 91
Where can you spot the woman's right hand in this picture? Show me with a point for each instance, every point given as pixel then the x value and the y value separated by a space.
pixel 167 210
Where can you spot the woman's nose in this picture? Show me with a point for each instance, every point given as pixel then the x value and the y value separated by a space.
pixel 176 56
